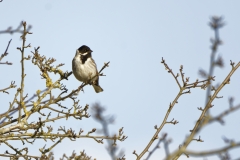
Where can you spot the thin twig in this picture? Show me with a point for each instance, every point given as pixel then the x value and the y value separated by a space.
pixel 178 153
pixel 212 152
pixel 5 54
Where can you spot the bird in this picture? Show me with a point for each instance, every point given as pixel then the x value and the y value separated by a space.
pixel 84 68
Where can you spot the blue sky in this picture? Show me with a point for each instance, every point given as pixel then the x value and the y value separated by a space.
pixel 133 36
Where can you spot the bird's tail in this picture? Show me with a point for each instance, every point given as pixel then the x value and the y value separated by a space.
pixel 97 88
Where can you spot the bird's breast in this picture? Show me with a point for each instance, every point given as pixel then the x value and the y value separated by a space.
pixel 84 71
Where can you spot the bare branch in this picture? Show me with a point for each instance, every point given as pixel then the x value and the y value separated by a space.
pixel 213 152
pixel 5 54
pixel 9 30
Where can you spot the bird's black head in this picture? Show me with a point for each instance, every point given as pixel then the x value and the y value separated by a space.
pixel 84 49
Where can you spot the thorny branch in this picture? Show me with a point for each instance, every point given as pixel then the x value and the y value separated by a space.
pixel 185 86
pixel 20 129
pixel 216 23
pixel 178 153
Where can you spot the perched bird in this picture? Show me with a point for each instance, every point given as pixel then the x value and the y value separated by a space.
pixel 85 69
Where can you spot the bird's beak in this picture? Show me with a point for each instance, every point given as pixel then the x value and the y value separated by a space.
pixel 91 51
